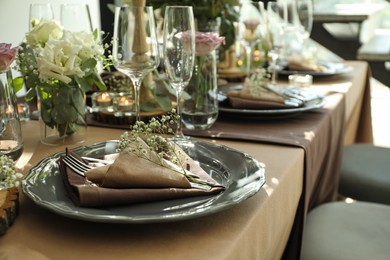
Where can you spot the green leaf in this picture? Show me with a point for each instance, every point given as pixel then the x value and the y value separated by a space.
pixel 18 83
pixel 164 102
pixel 31 94
pixel 147 106
pixel 99 82
pixel 88 64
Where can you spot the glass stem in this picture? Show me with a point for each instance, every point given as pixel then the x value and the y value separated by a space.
pixel 273 81
pixel 248 59
pixel 137 88
pixel 179 129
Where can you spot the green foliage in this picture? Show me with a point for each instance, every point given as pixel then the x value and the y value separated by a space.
pixel 207 11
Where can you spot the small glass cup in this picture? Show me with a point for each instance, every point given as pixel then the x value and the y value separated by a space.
pixel 300 80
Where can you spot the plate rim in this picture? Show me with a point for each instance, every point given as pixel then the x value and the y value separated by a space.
pixel 84 213
pixel 345 69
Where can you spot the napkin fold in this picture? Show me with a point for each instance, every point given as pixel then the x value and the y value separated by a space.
pixel 131 179
pixel 296 63
pixel 245 100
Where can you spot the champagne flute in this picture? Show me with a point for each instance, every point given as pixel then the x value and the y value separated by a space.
pixel 276 25
pixel 135 47
pixel 179 51
pixel 305 17
pixel 40 12
pixel 249 29
pixel 76 17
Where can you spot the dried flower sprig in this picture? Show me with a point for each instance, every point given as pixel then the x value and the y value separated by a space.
pixel 161 150
pixel 9 177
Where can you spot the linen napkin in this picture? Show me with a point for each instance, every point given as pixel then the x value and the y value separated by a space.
pixel 131 179
pixel 296 63
pixel 254 96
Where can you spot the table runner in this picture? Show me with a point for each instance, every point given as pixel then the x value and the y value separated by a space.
pixel 320 133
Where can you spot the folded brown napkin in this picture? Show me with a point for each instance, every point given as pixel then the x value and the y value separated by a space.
pixel 296 63
pixel 130 179
pixel 244 100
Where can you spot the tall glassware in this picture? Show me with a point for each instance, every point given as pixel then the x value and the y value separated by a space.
pixel 305 16
pixel 249 28
pixel 135 47
pixel 76 17
pixel 179 51
pixel 11 141
pixel 39 12
pixel 276 25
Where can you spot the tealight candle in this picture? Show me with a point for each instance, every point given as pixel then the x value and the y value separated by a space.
pixel 125 104
pixel 104 100
pixel 300 80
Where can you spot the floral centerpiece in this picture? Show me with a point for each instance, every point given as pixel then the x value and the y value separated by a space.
pixel 58 66
pixel 209 11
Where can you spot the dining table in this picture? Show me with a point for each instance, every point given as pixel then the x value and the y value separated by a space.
pixel 301 155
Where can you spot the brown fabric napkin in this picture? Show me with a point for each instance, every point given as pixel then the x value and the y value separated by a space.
pixel 130 179
pixel 265 100
pixel 296 63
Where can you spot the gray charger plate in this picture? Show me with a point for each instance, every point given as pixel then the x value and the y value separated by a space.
pixel 241 174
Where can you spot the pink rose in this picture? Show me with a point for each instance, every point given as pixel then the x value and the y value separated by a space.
pixel 7 56
pixel 205 42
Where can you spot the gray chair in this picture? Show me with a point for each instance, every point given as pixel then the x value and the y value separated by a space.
pixel 365 173
pixel 343 231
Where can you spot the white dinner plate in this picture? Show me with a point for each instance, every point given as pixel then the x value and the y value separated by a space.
pixel 241 174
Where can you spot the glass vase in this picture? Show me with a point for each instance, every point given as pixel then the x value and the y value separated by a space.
pixel 62 114
pixel 200 111
pixel 11 141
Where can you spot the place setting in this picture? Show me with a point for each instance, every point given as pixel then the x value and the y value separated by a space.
pixel 152 173
pixel 282 86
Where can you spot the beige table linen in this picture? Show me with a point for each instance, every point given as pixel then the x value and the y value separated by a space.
pixel 320 133
pixel 255 229
pixel 258 228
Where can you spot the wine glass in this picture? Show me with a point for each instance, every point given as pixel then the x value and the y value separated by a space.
pixel 276 25
pixel 40 12
pixel 305 16
pixel 179 51
pixel 76 17
pixel 249 28
pixel 135 47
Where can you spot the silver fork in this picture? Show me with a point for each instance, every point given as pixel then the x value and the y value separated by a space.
pixel 76 165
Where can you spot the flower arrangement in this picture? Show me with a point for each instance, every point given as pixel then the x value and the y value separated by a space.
pixel 59 66
pixel 9 177
pixel 7 56
pixel 207 11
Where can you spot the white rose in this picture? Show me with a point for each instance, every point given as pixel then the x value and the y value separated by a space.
pixel 39 35
pixel 59 60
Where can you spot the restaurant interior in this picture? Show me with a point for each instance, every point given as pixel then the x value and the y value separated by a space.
pixel 195 129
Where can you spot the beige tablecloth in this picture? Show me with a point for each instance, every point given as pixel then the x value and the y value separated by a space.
pixel 258 228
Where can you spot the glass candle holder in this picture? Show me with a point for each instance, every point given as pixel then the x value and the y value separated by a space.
pixel 300 80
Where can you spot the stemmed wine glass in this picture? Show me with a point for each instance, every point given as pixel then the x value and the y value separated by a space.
pixel 39 12
pixel 135 46
pixel 305 17
pixel 76 17
pixel 179 51
pixel 276 25
pixel 249 28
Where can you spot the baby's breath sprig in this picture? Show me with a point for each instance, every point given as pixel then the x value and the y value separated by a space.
pixel 9 177
pixel 161 150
